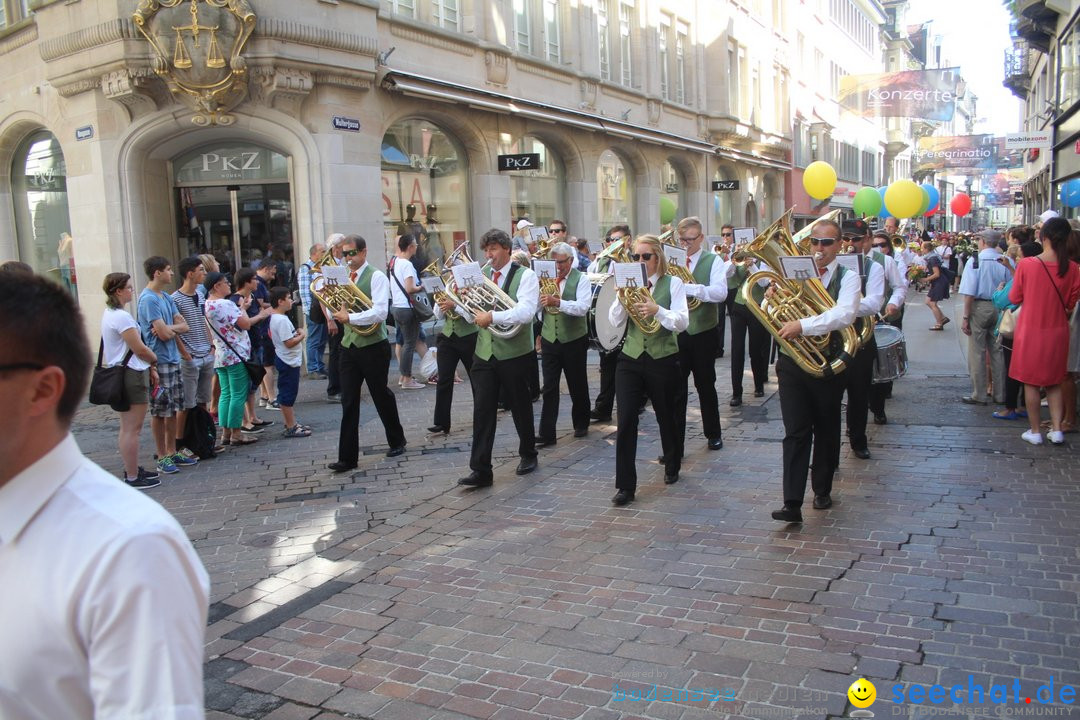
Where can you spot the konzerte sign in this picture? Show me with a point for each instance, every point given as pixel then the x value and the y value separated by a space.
pixel 928 94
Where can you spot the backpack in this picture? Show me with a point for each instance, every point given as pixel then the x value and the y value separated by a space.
pixel 200 433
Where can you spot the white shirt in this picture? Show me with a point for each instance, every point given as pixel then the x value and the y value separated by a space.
pixel 847 304
pixel 870 302
pixel 380 299
pixel 896 277
pixel 403 270
pixel 103 613
pixel 676 318
pixel 716 290
pixel 282 329
pixel 113 324
pixel 581 302
pixel 528 296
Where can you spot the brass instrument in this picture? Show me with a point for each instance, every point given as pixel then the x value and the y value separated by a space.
pixel 680 271
pixel 897 242
pixel 629 297
pixel 338 297
pixel 794 300
pixel 802 237
pixel 548 285
pixel 487 297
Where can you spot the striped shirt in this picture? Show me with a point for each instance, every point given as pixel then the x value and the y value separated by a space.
pixel 196 339
pixel 304 276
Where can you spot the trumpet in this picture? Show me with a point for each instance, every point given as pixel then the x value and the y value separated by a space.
pixel 897 242
pixel 679 271
pixel 338 297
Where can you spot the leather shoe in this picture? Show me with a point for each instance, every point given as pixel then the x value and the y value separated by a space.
pixel 968 400
pixel 861 453
pixel 581 432
pixel 735 402
pixel 716 443
pixel 394 452
pixel 671 478
pixel 476 479
pixel 340 467
pixel 759 392
pixel 880 419
pixel 598 418
pixel 822 502
pixel 438 430
pixel 526 466
pixel 787 514
pixel 542 443
pixel 622 498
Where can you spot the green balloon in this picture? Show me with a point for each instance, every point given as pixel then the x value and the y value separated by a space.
pixel 667 210
pixel 867 202
pixel 925 205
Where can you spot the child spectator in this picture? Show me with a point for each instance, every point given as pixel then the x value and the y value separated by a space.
pixel 287 360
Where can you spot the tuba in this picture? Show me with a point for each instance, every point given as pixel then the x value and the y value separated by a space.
pixel 548 285
pixel 683 273
pixel 487 297
pixel 795 300
pixel 802 237
pixel 337 297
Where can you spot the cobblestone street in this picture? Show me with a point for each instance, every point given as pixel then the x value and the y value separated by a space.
pixel 950 557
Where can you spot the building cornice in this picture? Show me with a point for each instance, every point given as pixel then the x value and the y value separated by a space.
pixel 18 35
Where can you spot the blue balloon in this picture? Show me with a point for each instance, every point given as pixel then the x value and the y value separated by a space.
pixel 1070 193
pixel 884 213
pixel 935 196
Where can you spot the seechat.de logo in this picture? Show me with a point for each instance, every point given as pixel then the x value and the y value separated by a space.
pixel 862 695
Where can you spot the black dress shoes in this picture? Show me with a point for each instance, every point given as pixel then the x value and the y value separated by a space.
pixel 759 392
pixel 861 453
pixel 526 466
pixel 735 402
pixel 671 478
pixel 476 479
pixel 394 452
pixel 581 432
pixel 661 459
pixel 542 443
pixel 598 418
pixel 438 430
pixel 880 419
pixel 716 443
pixel 787 514
pixel 340 467
pixel 622 498
pixel 822 502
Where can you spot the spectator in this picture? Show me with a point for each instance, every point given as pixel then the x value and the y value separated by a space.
pixel 1012 409
pixel 287 359
pixel 938 282
pixel 197 362
pixel 210 264
pixel 122 345
pixel 316 321
pixel 1048 286
pixel 983 275
pixel 245 283
pixel 262 348
pixel 105 602
pixel 404 283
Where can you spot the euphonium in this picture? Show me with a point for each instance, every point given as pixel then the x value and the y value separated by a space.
pixel 629 297
pixel 795 300
pixel 548 285
pixel 681 272
pixel 487 297
pixel 336 297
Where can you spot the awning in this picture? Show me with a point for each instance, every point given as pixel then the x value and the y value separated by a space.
pixel 427 87
pixel 752 158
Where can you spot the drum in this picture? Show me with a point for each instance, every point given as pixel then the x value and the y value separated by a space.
pixel 891 361
pixel 604 336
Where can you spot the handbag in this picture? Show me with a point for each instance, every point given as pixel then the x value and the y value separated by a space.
pixel 1054 285
pixel 1007 326
pixel 421 311
pixel 107 384
pixel 255 371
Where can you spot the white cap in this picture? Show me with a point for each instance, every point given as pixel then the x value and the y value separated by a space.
pixel 1047 215
pixel 523 223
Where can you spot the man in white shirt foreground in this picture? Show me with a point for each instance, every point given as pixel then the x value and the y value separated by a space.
pixel 104 609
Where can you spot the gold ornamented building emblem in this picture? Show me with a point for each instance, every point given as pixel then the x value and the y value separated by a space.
pixel 197 46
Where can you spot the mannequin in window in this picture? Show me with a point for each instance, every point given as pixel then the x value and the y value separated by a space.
pixel 432 242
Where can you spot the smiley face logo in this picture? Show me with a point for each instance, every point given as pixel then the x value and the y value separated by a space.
pixel 862 693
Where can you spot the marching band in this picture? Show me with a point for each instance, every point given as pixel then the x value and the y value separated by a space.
pixel 652 334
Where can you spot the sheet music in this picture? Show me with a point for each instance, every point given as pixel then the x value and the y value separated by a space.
pixel 467 275
pixel 675 255
pixel 433 284
pixel 798 267
pixel 545 269
pixel 595 246
pixel 854 262
pixel 744 235
pixel 630 275
pixel 335 274
pixel 538 233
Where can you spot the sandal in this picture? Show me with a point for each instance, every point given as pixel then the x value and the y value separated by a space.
pixel 245 441
pixel 938 327
pixel 946 321
pixel 1005 415
pixel 296 431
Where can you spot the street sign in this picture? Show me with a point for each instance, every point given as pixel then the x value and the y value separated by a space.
pixel 344 123
pixel 522 161
pixel 722 185
pixel 84 133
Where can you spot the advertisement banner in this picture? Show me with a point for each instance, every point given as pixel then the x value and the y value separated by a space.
pixel 1023 141
pixel 928 94
pixel 962 151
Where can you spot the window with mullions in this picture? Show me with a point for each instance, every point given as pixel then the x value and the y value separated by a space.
pixel 682 34
pixel 626 26
pixel 602 44
pixel 401 7
pixel 446 14
pixel 552 34
pixel 1069 91
pixel 522 29
pixel 662 45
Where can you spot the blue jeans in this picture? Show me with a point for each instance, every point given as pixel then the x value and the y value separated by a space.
pixel 316 344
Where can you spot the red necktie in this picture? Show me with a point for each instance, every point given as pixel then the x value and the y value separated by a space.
pixel 498 275
pixel 688 263
pixel 822 270
pixel 352 276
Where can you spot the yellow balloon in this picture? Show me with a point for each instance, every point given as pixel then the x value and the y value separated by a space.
pixel 819 180
pixel 903 199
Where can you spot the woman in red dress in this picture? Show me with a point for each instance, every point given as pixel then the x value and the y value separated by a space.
pixel 1048 290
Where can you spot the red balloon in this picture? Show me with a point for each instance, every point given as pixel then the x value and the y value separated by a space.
pixel 961 204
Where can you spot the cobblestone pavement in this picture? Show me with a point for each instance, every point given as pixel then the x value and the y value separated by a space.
pixel 950 557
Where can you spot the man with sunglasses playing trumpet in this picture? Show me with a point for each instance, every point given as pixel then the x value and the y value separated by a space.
pixel 649 366
pixel 811 406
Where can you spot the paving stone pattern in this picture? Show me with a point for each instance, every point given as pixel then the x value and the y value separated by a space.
pixel 389 593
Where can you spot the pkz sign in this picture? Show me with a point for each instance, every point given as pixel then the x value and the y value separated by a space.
pixel 523 161
pixel 229 162
pixel 722 185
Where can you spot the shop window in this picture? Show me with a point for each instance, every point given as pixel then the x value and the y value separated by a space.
pixel 536 195
pixel 615 192
pixel 672 195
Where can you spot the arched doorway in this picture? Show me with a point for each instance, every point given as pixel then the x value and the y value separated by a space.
pixel 537 195
pixel 724 200
pixel 614 192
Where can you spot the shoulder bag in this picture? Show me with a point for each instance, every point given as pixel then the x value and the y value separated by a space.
pixel 1007 325
pixel 107 384
pixel 421 311
pixel 1053 284
pixel 254 370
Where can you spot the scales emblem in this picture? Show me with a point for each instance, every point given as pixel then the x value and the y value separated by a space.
pixel 197 45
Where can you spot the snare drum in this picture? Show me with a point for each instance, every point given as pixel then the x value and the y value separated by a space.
pixel 891 361
pixel 604 336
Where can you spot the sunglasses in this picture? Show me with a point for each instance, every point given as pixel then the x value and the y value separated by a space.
pixel 350 253
pixel 556 230
pixel 823 242
pixel 727 234
pixel 881 245
pixel 642 256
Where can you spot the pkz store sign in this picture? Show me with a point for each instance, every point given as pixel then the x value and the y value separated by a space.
pixel 522 161
pixel 227 163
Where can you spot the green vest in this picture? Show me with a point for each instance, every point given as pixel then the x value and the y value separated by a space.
pixel 603 264
pixel 663 343
pixel 503 349
pixel 704 316
pixel 560 327
pixel 454 324
pixel 740 276
pixel 836 343
pixel 351 338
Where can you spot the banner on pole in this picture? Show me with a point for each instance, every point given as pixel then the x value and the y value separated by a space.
pixel 961 151
pixel 927 94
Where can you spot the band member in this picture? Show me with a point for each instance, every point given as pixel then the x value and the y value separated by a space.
pixel 811 406
pixel 502 363
pixel 456 342
pixel 896 287
pixel 649 366
pixel 605 399
pixel 564 345
pixel 697 346
pixel 744 324
pixel 365 359
pixel 727 240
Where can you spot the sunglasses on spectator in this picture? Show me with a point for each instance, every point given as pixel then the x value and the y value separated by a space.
pixel 642 256
pixel 727 234
pixel 823 242
pixel 350 253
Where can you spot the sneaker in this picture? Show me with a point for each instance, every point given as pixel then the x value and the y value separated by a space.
pixel 142 480
pixel 1056 437
pixel 250 429
pixel 335 398
pixel 274 405
pixel 185 453
pixel 181 460
pixel 1032 437
pixel 148 474
pixel 413 385
pixel 262 402
pixel 166 465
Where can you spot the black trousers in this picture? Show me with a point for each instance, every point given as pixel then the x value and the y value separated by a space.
pixel 859 377
pixel 366 365
pixel 879 392
pixel 635 379
pixel 811 411
pixel 568 359
pixel 489 377
pixel 1014 397
pixel 605 399
pixel 451 349
pixel 743 323
pixel 721 321
pixel 697 355
pixel 333 369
